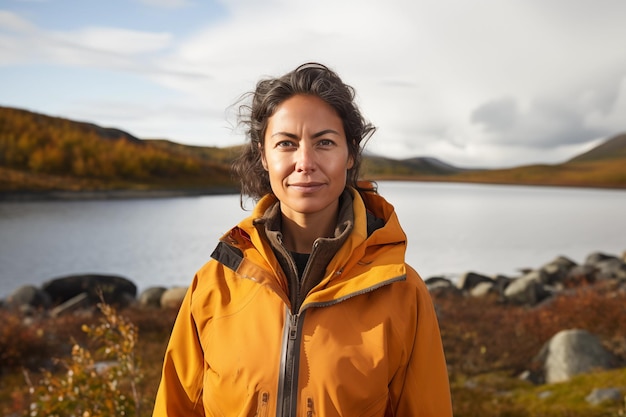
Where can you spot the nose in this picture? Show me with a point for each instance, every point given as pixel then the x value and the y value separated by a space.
pixel 305 158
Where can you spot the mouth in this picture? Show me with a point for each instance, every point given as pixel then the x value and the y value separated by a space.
pixel 306 187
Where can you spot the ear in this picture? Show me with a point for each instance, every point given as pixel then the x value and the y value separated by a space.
pixel 350 163
pixel 263 160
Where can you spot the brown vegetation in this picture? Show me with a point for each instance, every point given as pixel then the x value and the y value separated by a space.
pixel 38 152
pixel 487 345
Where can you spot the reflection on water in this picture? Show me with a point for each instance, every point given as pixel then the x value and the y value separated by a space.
pixel 451 228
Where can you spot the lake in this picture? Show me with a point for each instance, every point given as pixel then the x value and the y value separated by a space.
pixel 451 229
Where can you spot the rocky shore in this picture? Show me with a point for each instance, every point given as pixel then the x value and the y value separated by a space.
pixel 568 353
pixel 62 295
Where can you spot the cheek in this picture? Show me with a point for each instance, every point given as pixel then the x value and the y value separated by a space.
pixel 277 167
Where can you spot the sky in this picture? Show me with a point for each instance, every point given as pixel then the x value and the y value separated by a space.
pixel 475 83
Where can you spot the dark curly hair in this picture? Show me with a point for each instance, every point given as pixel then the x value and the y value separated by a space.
pixel 309 79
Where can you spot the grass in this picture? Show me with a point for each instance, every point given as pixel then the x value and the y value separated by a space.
pixel 487 345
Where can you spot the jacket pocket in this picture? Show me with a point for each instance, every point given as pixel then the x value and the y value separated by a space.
pixel 262 404
pixel 309 410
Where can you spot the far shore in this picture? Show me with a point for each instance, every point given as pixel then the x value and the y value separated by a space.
pixel 126 194
pixel 66 195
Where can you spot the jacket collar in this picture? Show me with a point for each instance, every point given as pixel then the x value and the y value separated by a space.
pixel 269 227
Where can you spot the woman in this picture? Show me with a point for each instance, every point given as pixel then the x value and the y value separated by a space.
pixel 307 307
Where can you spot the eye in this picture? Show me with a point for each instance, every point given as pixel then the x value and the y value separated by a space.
pixel 326 143
pixel 285 144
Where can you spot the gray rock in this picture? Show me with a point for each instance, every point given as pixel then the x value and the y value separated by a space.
pixel 602 395
pixel 573 352
pixel 556 271
pixel 595 257
pixel 115 289
pixel 28 296
pixel 612 268
pixel 469 280
pixel 151 297
pixel 528 289
pixel 482 289
pixel 580 274
pixel 173 297
pixel 563 262
pixel 500 284
pixel 440 286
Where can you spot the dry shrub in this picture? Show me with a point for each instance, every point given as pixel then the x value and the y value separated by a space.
pixel 30 342
pixel 95 382
pixel 485 335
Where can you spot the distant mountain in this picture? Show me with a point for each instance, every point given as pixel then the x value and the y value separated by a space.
pixel 602 166
pixel 43 153
pixel 614 147
pixel 381 167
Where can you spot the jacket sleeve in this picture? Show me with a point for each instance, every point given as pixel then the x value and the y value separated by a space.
pixel 423 388
pixel 180 389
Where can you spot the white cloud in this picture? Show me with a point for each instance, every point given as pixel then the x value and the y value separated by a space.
pixel 14 23
pixel 114 40
pixel 476 82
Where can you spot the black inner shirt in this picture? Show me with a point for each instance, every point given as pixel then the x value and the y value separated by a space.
pixel 301 260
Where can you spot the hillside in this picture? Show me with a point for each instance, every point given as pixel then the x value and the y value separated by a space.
pixel 602 166
pixel 613 148
pixel 43 153
pixel 380 167
pixel 39 152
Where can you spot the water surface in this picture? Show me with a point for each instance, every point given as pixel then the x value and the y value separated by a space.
pixel 451 228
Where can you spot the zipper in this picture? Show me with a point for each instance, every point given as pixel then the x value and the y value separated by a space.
pixel 287 401
pixel 289 367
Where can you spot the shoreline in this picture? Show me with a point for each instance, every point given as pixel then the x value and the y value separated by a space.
pixel 67 195
pixel 129 194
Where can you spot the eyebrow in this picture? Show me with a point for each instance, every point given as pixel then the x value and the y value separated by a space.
pixel 316 135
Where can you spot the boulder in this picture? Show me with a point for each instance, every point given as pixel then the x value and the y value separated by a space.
pixel 438 282
pixel 441 287
pixel 115 290
pixel 595 257
pixel 572 352
pixel 555 272
pixel 527 289
pixel 611 268
pixel 28 296
pixel 580 274
pixel 173 297
pixel 563 262
pixel 151 297
pixel 500 284
pixel 482 289
pixel 469 280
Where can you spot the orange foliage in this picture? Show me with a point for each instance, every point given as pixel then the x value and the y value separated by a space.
pixel 46 145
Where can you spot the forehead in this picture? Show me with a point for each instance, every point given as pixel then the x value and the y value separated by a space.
pixel 304 109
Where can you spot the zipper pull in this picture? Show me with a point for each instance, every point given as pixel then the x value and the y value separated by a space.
pixel 293 327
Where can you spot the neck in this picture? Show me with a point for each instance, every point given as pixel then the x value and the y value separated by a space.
pixel 300 232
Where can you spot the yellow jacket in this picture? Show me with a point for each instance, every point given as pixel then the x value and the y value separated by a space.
pixel 363 341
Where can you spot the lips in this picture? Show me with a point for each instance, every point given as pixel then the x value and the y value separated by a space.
pixel 306 187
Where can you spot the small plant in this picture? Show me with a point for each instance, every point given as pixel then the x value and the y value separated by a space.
pixel 97 383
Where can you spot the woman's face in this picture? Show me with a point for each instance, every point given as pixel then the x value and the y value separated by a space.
pixel 306 155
